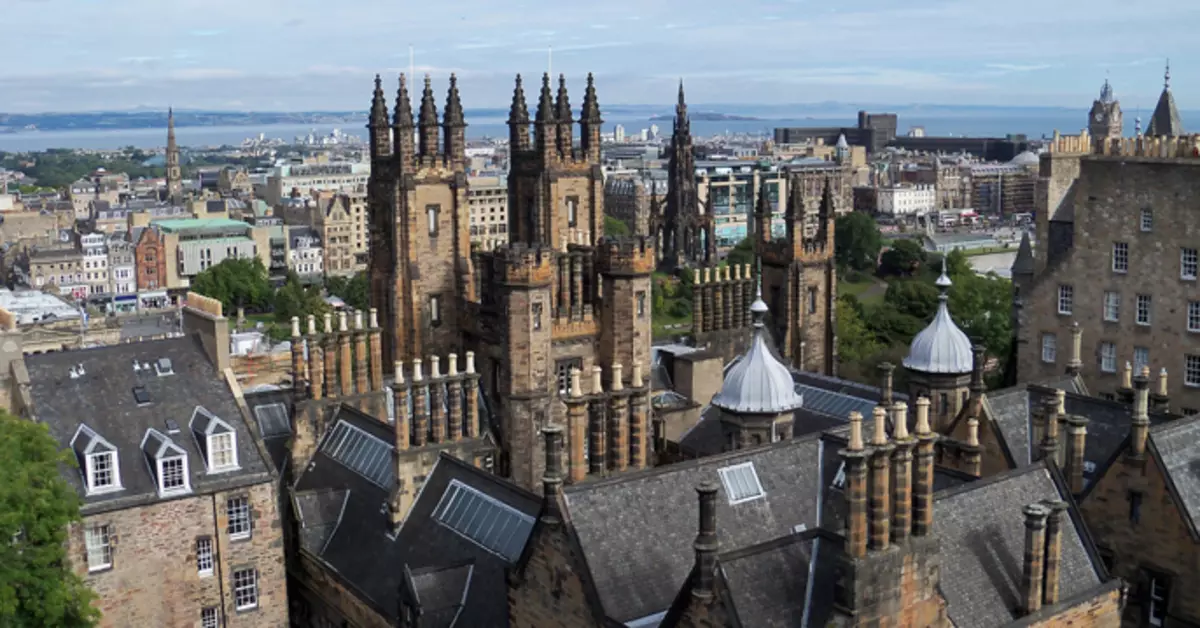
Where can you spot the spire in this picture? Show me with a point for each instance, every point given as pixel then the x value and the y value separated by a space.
pixel 1106 93
pixel 941 347
pixel 1023 264
pixel 453 116
pixel 591 106
pixel 562 108
pixel 378 105
pixel 545 110
pixel 428 106
pixel 682 102
pixel 1165 122
pixel 682 123
pixel 943 281
pixel 174 172
pixel 1167 76
pixel 517 113
pixel 428 123
pixel 403 115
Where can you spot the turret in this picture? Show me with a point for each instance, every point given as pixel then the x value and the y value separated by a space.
pixel 590 123
pixel 518 119
pixel 428 124
pixel 402 127
pixel 545 129
pixel 381 141
pixel 562 112
pixel 455 149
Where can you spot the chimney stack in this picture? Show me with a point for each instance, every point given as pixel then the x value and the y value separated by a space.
pixel 1127 376
pixel 298 370
pixel 1034 564
pixel 437 400
pixel 1054 531
pixel 552 480
pixel 974 453
pixel 1049 444
pixel 1141 416
pixel 1075 364
pixel 618 423
pixel 316 361
pixel 403 422
pixel 472 398
pixel 856 489
pixel 362 361
pixel 420 399
pixel 1076 445
pixel 639 416
pixel 1161 399
pixel 902 480
pixel 596 411
pixel 706 544
pixel 454 400
pixel 923 486
pixel 577 426
pixel 886 371
pixel 330 351
pixel 976 385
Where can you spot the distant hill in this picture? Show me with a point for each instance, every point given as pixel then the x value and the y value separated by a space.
pixel 706 116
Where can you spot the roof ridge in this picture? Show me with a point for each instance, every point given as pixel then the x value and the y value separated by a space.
pixel 994 479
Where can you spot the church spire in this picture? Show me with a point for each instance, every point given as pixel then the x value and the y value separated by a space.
pixel 455 123
pixel 590 123
pixel 682 123
pixel 545 129
pixel 402 116
pixel 174 172
pixel 402 125
pixel 428 122
pixel 377 124
pixel 562 114
pixel 545 110
pixel 1166 121
pixel 518 119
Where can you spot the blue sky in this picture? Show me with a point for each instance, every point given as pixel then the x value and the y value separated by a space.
pixel 71 55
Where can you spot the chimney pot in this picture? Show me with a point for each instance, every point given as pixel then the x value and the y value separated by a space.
pixel 416 377
pixel 856 435
pixel 342 322
pixel 553 435
pixel 636 378
pixel 1127 376
pixel 295 327
pixel 1162 383
pixel 707 275
pixel 597 383
pixel 923 416
pixel 900 420
pixel 1145 371
pixel 374 318
pixel 471 362
pixel 358 319
pixel 435 367
pixel 880 419
pixel 1060 401
pixel 1035 553
pixel 399 366
pixel 973 432
pixel 328 322
pixel 312 325
pixel 576 383
pixel 706 544
pixel 746 271
pixel 727 275
pixel 617 385
pixel 452 364
pixel 737 271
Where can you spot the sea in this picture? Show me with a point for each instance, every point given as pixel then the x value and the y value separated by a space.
pixel 1033 122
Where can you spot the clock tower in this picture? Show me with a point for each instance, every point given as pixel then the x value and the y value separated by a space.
pixel 1104 120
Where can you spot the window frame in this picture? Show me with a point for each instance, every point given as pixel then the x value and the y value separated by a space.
pixel 106 549
pixel 1146 221
pixel 184 485
pixel 212 439
pixel 1148 301
pixel 239 533
pixel 640 306
pixel 1049 348
pixel 1144 361
pixel 1184 263
pixel 237 588
pixel 113 471
pixel 435 309
pixel 1154 602
pixel 1066 299
pixel 433 212
pixel 205 555
pixel 1120 253
pixel 1112 299
pixel 1108 357
pixel 1191 371
pixel 210 617
pixel 1193 316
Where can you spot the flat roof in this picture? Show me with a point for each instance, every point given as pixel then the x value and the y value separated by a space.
pixel 199 223
pixel 32 306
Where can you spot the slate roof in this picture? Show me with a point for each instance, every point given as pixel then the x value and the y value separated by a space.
pixel 102 398
pixel 357 543
pixel 1177 445
pixel 785 582
pixel 981 528
pixel 843 386
pixel 266 407
pixel 1165 120
pixel 442 593
pixel 636 530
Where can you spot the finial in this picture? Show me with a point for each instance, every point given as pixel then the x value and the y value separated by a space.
pixel 880 419
pixel 900 420
pixel 943 281
pixel 1167 75
pixel 922 416
pixel 973 432
pixel 856 437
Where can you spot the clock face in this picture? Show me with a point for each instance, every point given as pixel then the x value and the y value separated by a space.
pixel 1099 117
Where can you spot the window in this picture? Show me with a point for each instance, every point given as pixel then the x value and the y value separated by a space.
pixel 1158 591
pixel 563 369
pixel 1112 306
pixel 1120 257
pixel 204 556
pixel 1187 263
pixel 220 451
pixel 101 471
pixel 1191 370
pixel 435 309
pixel 1108 357
pixel 641 304
pixel 1106 557
pixel 172 473
pixel 572 210
pixel 1143 309
pixel 215 439
pixel 1188 411
pixel 245 589
pixel 238 511
pixel 1193 316
pixel 1135 507
pixel 1049 348
pixel 1066 299
pixel 99 547
pixel 537 316
pixel 1141 359
pixel 484 520
pixel 741 483
pixel 209 618
pixel 812 300
pixel 1147 220
pixel 431 212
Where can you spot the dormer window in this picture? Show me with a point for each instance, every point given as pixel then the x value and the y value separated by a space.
pixel 163 367
pixel 216 439
pixel 98 461
pixel 168 463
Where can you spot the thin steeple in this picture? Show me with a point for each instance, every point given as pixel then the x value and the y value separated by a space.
pixel 518 113
pixel 562 108
pixel 428 121
pixel 378 105
pixel 454 112
pixel 545 110
pixel 1165 122
pixel 403 115
pixel 591 106
pixel 174 172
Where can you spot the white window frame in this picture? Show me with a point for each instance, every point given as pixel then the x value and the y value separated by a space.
pixel 1141 358
pixel 1108 357
pixel 239 532
pixel 1148 310
pixel 1112 307
pixel 250 585
pixel 1155 602
pixel 1049 348
pixel 205 558
pixel 756 490
pixel 1193 316
pixel 213 439
pixel 1191 371
pixel 92 485
pixel 1120 257
pixel 1066 298
pixel 435 308
pixel 104 547
pixel 210 618
pixel 1189 261
pixel 1147 221
pixel 206 445
pixel 163 489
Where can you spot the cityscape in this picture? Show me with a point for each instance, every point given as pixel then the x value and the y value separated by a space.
pixel 580 360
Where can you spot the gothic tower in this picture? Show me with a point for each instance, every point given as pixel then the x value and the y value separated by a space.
pixel 686 237
pixel 800 281
pixel 420 265
pixel 1104 120
pixel 1165 122
pixel 174 173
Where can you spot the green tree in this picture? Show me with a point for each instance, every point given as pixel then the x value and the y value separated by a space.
pixel 614 227
pixel 958 264
pixel 912 297
pixel 355 291
pixel 235 282
pixel 37 585
pixel 903 258
pixel 857 241
pixel 856 341
pixel 296 299
pixel 742 253
pixel 982 307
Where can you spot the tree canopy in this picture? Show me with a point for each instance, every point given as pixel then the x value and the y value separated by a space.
pixel 37 585
pixel 857 241
pixel 355 291
pixel 296 299
pixel 615 227
pixel 742 253
pixel 236 282
pixel 903 258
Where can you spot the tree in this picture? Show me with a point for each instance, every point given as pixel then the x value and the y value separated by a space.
pixel 355 291
pixel 857 241
pixel 742 253
pixel 37 585
pixel 982 307
pixel 296 299
pixel 614 227
pixel 903 258
pixel 235 282
pixel 856 341
pixel 912 297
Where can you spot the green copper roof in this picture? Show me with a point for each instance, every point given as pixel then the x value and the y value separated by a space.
pixel 171 226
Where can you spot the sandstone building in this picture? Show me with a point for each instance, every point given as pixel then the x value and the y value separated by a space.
pixel 1117 253
pixel 180 522
pixel 341 221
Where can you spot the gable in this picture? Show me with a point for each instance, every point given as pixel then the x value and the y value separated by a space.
pixel 550 586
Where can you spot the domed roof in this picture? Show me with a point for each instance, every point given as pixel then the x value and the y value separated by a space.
pixel 758 382
pixel 941 347
pixel 1026 158
pixel 841 142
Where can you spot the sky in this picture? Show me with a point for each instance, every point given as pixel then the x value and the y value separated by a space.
pixel 294 55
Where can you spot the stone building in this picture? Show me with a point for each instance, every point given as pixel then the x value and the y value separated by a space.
pixel 151 254
pixel 180 524
pixel 561 296
pixel 487 198
pixel 61 268
pixel 341 221
pixel 635 200
pixel 1105 121
pixel 1117 241
pixel 688 237
pixel 174 194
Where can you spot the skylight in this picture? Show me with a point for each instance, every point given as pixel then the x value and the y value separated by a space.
pixel 362 453
pixel 141 395
pixel 741 483
pixel 483 520
pixel 273 420
pixel 163 367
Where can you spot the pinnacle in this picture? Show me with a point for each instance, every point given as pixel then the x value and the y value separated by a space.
pixel 518 113
pixel 428 108
pixel 403 111
pixel 545 110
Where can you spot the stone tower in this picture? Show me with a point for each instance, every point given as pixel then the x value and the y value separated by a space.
pixel 799 279
pixel 1165 122
pixel 1104 120
pixel 686 234
pixel 174 173
pixel 420 254
pixel 940 362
